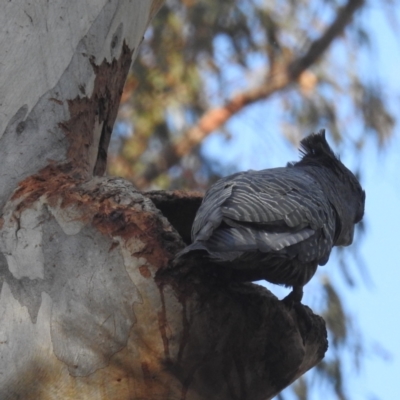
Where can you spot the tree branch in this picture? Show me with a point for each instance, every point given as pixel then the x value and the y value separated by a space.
pixel 105 318
pixel 280 77
pixel 317 48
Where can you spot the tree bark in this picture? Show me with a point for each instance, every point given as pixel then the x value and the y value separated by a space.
pixel 89 306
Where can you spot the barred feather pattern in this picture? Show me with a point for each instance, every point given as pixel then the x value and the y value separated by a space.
pixel 269 223
pixel 278 224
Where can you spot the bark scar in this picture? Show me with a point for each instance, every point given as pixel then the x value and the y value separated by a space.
pixel 98 110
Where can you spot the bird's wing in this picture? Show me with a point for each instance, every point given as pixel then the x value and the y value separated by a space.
pixel 261 210
pixel 279 197
pixel 209 215
pixel 244 239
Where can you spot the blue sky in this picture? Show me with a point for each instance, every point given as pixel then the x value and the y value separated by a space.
pixel 373 306
pixel 376 308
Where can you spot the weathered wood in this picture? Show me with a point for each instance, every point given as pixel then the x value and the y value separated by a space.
pixel 85 314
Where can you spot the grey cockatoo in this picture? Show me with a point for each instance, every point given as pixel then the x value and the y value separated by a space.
pixel 279 224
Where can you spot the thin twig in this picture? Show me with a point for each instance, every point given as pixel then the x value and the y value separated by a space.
pixel 279 78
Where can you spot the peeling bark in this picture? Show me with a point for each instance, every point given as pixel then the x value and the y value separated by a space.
pixel 90 307
pixel 59 104
pixel 100 108
pixel 105 314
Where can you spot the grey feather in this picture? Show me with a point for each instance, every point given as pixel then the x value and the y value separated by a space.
pixel 279 224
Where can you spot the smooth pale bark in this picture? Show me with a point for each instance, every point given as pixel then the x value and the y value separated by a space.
pixel 88 307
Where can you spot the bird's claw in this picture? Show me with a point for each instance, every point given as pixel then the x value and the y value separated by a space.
pixel 293 302
pixel 294 297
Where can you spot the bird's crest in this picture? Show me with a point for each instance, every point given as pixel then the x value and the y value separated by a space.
pixel 315 146
pixel 316 150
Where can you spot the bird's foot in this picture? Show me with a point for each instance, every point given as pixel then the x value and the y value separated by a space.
pixel 294 297
pixel 293 302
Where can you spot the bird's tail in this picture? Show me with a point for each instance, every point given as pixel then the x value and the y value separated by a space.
pixel 183 254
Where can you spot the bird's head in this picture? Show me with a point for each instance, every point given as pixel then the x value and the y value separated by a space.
pixel 343 189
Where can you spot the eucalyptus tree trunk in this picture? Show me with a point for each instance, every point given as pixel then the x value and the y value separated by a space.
pixel 88 306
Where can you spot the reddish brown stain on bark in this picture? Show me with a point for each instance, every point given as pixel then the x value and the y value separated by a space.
pixel 100 108
pixel 144 271
pixel 63 187
pixel 116 220
pixel 50 181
